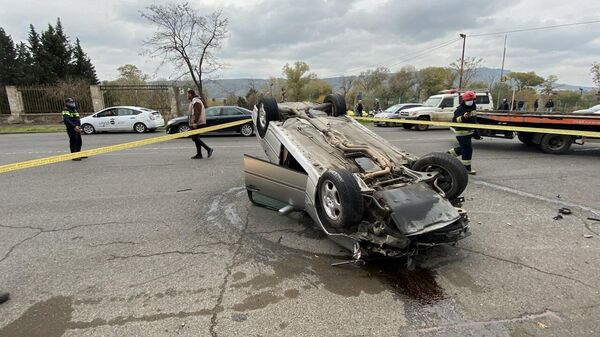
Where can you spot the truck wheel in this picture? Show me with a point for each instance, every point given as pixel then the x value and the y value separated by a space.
pixel 407 126
pixel 556 144
pixel 453 176
pixel 338 105
pixel 422 127
pixel 339 201
pixel 526 138
pixel 267 112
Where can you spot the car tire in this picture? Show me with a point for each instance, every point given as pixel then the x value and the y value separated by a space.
pixel 183 128
pixel 339 203
pixel 88 129
pixel 247 130
pixel 267 112
pixel 556 144
pixel 140 128
pixel 407 126
pixel 526 138
pixel 338 105
pixel 422 127
pixel 454 177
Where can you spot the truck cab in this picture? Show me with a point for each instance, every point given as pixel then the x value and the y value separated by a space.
pixel 440 108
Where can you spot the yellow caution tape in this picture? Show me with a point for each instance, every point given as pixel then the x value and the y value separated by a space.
pixel 112 148
pixel 590 134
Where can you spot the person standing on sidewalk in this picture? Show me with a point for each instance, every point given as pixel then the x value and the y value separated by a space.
pixel 73 125
pixel 196 120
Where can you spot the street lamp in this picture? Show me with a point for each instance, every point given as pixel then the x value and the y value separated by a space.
pixel 462 60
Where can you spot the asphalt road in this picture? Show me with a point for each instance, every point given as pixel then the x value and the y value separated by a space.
pixel 147 242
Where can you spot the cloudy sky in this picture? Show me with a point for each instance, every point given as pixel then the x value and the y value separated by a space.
pixel 338 37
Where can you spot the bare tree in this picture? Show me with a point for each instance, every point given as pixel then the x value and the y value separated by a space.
pixel 470 68
pixel 186 39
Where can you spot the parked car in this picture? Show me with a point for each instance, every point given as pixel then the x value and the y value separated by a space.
pixel 122 118
pixel 216 115
pixel 593 110
pixel 394 112
pixel 367 195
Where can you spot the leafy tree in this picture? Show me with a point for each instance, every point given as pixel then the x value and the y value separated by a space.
pixel 523 80
pixel 595 71
pixel 470 67
pixel 81 66
pixel 186 39
pixel 297 77
pixel 373 80
pixel 402 84
pixel 56 53
pixel 8 59
pixel 251 98
pixel 316 90
pixel 431 80
pixel 130 74
pixel 549 84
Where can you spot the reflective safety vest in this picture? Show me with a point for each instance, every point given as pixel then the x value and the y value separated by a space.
pixel 70 114
pixel 463 131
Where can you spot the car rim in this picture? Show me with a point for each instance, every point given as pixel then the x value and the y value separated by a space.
pixel 184 128
pixel 262 116
pixel 331 200
pixel 87 129
pixel 556 142
pixel 139 128
pixel 246 130
pixel 444 181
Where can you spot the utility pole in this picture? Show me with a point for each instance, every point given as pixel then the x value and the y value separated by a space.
pixel 462 61
pixel 501 73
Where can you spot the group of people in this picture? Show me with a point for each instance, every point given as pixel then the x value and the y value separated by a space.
pixel 196 120
pixel 520 105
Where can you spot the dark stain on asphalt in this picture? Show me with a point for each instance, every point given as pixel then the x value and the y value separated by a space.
pixel 419 284
pixel 238 276
pixel 49 318
pixel 257 301
pixel 291 293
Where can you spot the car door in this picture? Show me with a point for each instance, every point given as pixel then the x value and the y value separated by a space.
pixel 274 181
pixel 213 116
pixel 231 114
pixel 125 119
pixel 447 106
pixel 105 120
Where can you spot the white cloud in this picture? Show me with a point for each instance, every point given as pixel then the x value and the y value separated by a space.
pixel 337 36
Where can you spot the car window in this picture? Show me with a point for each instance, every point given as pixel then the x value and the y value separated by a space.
pixel 393 108
pixel 482 99
pixel 448 102
pixel 107 113
pixel 213 111
pixel 432 101
pixel 124 112
pixel 230 112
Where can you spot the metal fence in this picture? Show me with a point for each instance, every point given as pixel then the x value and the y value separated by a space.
pixel 50 99
pixel 149 96
pixel 4 107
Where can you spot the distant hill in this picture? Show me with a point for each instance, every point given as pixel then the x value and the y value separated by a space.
pixel 240 86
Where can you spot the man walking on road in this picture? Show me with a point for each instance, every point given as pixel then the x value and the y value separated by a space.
pixel 196 120
pixel 71 120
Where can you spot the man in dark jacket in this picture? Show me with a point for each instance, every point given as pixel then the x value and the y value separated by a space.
pixel 73 125
pixel 359 109
pixel 549 105
pixel 536 105
pixel 505 106
pixel 465 113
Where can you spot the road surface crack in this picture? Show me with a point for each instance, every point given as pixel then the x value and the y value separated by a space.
pixel 528 267
pixel 223 287
pixel 7 255
pixel 177 252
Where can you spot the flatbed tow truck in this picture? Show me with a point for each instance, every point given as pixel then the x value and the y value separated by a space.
pixel 548 142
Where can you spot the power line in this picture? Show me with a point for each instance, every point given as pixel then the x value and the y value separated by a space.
pixel 424 53
pixel 537 28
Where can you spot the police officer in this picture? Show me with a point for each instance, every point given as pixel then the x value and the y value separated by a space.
pixel 71 120
pixel 465 113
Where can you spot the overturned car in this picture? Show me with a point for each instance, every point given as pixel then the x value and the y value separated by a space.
pixel 365 194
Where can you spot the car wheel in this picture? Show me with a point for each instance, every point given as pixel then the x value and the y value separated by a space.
pixel 453 178
pixel 422 127
pixel 247 130
pixel 526 138
pixel 267 112
pixel 556 144
pixel 140 127
pixel 88 129
pixel 338 105
pixel 339 201
pixel 183 128
pixel 407 126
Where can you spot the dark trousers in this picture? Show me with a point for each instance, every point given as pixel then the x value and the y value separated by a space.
pixel 199 145
pixel 465 150
pixel 74 140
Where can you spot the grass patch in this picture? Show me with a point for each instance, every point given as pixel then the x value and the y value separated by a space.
pixel 19 128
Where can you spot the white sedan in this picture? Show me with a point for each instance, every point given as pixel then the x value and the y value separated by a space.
pixel 122 118
pixel 593 110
